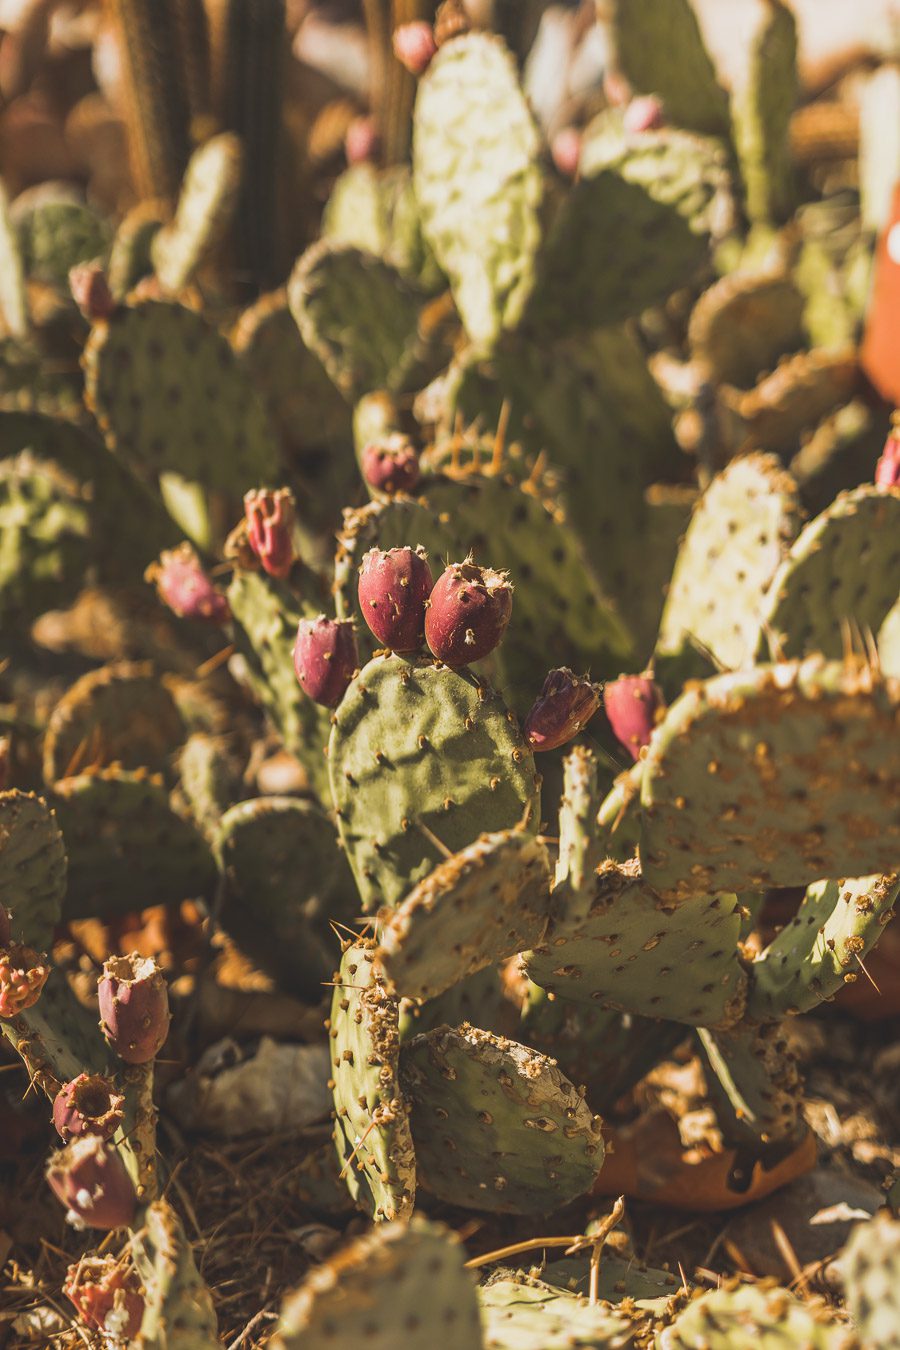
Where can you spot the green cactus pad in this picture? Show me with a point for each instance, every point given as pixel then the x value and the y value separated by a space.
pixel 265 615
pixel 56 231
pixel 762 115
pixel 843 568
pixel 178 1308
pixel 823 946
pixel 582 846
pixel 358 315
pixel 400 1285
pixel 127 847
pixel 377 211
pixel 619 817
pixel 209 777
pixel 418 743
pixel 286 878
pixel 754 1317
pixel 32 867
pixel 739 533
pixel 628 953
pixel 774 777
pixel 529 1315
pixel 755 1087
pixel 477 177
pixel 496 1126
pixel 371 1129
pixel 130 257
pixel 743 324
pixel 660 50
pixel 45 537
pixel 206 206
pixel 120 714
pixel 13 297
pixel 143 370
pixel 800 391
pixel 654 203
pixel 889 642
pixel 869 1268
pixel 478 907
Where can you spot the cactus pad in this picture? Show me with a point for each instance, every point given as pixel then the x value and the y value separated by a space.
pixel 478 180
pixel 56 230
pixel 45 545
pixel 727 799
pixel 178 1309
pixel 743 323
pixel 869 1267
pixel 889 642
pixel 417 743
pixel 753 1317
pixel 762 115
pixel 755 1088
pixel 32 867
pixel 371 1128
pixel 206 205
pixel 496 1126
pixel 581 844
pixel 398 1285
pixel 13 298
pixel 476 908
pixel 529 1315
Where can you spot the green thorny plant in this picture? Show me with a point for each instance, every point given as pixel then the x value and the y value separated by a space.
pixel 594 323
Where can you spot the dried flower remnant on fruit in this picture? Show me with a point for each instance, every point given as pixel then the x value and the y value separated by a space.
pixel 88 1104
pixel 23 974
pixel 325 658
pixel 183 586
pixel 107 1295
pixel 134 1007
pixel 270 518
pixel 563 708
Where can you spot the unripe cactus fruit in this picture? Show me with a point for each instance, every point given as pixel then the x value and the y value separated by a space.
pixel 270 520
pixel 468 612
pixel 565 704
pixel 90 291
pixel 5 927
pixel 414 46
pixel 107 1295
pixel 23 974
pixel 89 1177
pixel 887 470
pixel 393 589
pixel 361 140
pixel 88 1104
pixel 565 148
pixel 632 703
pixel 325 658
pixel 184 587
pixel 134 1007
pixel 644 113
pixel 391 465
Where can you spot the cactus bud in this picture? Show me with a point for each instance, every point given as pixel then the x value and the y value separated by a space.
pixel 361 140
pixel 5 927
pixel 107 1295
pixel 90 291
pixel 631 703
pixel 644 113
pixel 184 587
pixel 23 974
pixel 414 46
pixel 468 612
pixel 393 589
pixel 87 1104
pixel 887 470
pixel 391 465
pixel 325 658
pixel 91 1180
pixel 565 704
pixel 134 1007
pixel 565 148
pixel 270 527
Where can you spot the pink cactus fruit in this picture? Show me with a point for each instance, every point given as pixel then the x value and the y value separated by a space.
pixel 632 703
pixel 468 611
pixel 108 1296
pixel 887 470
pixel 414 46
pixel 23 974
pixel 565 150
pixel 90 291
pixel 134 1007
pixel 564 706
pixel 5 927
pixel 89 1177
pixel 644 113
pixel 325 658
pixel 270 520
pixel 183 585
pixel 391 465
pixel 394 587
pixel 361 140
pixel 88 1104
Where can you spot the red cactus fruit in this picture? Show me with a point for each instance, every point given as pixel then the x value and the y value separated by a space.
pixel 361 140
pixel 325 658
pixel 108 1296
pixel 468 612
pixel 391 465
pixel 414 46
pixel 23 974
pixel 632 703
pixel 565 149
pixel 5 927
pixel 182 585
pixel 644 113
pixel 134 1007
pixel 270 520
pixel 90 291
pixel 393 590
pixel 89 1177
pixel 887 470
pixel 565 704
pixel 88 1104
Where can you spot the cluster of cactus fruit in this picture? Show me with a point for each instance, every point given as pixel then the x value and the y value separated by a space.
pixel 515 370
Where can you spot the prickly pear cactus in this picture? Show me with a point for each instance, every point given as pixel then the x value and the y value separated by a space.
pixel 32 866
pixel 205 209
pixel 13 298
pixel 178 1311
pixel 45 543
pixel 743 324
pixel 869 1267
pixel 762 114
pixel 751 1315
pixel 527 1315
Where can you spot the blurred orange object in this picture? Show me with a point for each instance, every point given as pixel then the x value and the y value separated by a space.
pixel 880 355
